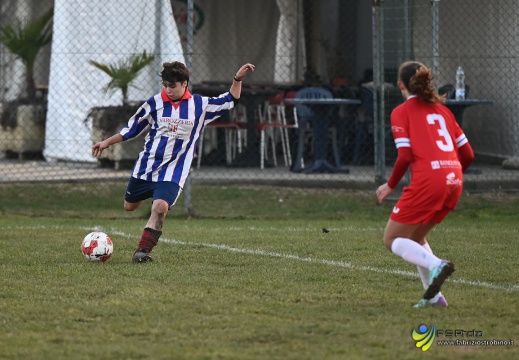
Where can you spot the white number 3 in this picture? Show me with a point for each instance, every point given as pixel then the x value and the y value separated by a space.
pixel 445 144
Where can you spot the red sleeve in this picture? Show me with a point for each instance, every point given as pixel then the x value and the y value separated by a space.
pixel 466 156
pixel 402 163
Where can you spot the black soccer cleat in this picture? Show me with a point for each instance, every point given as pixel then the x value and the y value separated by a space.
pixel 141 256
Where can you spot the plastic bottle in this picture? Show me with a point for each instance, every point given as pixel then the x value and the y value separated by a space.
pixel 460 84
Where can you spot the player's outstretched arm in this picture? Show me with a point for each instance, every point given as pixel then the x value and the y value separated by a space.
pixel 240 74
pixel 97 149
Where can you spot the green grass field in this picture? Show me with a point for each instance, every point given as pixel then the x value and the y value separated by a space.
pixel 251 276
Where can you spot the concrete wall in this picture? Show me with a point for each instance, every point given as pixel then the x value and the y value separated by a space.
pixel 481 36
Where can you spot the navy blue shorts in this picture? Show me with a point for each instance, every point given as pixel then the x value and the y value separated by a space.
pixel 139 190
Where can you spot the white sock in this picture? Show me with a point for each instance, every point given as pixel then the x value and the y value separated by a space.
pixel 427 247
pixel 414 253
pixel 425 273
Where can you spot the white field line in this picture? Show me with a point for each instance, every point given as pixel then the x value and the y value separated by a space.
pixel 343 264
pixel 478 283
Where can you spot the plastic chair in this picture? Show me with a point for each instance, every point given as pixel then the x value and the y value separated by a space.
pixel 304 114
pixel 364 125
pixel 239 117
pixel 450 91
pixel 364 146
pixel 447 90
pixel 274 117
pixel 346 123
pixel 233 134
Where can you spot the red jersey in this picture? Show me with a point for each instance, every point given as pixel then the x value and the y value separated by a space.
pixel 434 136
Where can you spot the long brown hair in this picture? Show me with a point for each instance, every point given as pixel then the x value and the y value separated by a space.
pixel 417 78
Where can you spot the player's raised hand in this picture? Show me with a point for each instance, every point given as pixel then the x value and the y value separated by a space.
pixel 244 70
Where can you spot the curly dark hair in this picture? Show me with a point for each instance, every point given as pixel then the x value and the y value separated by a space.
pixel 173 72
pixel 417 78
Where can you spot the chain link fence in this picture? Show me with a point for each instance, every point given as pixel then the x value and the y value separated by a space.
pixel 60 91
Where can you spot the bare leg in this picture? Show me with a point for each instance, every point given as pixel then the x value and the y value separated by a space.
pixel 404 240
pixel 159 210
pixel 128 206
pixel 152 231
pixel 415 232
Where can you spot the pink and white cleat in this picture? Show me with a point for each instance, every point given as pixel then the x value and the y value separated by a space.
pixel 441 302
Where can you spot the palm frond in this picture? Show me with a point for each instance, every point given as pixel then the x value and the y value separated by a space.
pixel 123 72
pixel 26 40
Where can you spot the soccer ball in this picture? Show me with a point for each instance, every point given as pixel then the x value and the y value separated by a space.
pixel 97 246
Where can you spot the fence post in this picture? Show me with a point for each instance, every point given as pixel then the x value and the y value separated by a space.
pixel 188 209
pixel 435 4
pixel 378 91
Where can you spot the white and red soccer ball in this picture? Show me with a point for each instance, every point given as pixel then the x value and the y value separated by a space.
pixel 97 246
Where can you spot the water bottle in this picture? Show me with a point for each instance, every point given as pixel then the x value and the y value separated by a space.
pixel 460 84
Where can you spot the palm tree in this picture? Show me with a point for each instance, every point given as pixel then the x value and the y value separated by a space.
pixel 25 41
pixel 124 72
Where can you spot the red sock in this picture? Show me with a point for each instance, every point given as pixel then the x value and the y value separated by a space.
pixel 150 238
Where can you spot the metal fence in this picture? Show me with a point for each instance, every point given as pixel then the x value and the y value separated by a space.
pixel 55 102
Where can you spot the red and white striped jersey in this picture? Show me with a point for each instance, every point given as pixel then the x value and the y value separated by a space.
pixel 173 132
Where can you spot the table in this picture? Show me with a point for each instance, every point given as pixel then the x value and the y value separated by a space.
pixel 457 107
pixel 320 129
pixel 251 97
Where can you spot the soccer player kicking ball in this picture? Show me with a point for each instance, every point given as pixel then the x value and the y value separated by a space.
pixel 173 120
pixel 428 139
